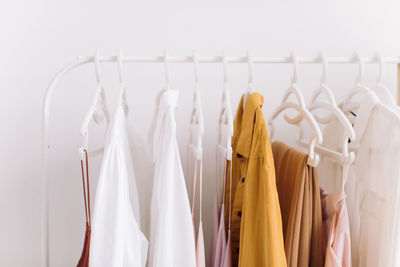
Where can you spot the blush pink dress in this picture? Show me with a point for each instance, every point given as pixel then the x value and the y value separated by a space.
pixel 215 228
pixel 221 238
pixel 200 251
pixel 337 229
pixel 227 256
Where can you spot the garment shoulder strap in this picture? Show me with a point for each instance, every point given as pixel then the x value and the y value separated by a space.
pixel 201 186
pixel 86 186
pixel 201 190
pixel 224 180
pixel 230 194
pixel 345 173
pixel 194 186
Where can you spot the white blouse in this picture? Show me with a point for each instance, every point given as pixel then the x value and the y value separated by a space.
pixel 116 239
pixel 372 188
pixel 172 242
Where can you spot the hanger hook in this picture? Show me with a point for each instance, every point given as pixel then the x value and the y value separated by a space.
pixel 224 66
pixel 295 67
pixel 195 67
pixel 250 64
pixel 324 63
pixel 166 69
pixel 360 62
pixel 97 65
pixel 120 66
pixel 381 63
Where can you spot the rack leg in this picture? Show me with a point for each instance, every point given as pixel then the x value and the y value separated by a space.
pixel 398 84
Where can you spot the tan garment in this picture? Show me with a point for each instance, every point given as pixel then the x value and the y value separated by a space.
pixel 256 230
pixel 300 203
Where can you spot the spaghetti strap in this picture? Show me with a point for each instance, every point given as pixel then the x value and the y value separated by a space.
pixel 194 187
pixel 201 187
pixel 84 259
pixel 230 196
pixel 86 186
pixel 345 173
pixel 224 181
pixel 201 190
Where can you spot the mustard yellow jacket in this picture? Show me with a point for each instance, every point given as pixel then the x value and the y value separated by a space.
pixel 256 233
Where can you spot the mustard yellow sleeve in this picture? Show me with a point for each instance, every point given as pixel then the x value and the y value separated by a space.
pixel 261 237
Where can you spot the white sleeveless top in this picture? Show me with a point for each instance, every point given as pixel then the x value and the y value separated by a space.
pixel 172 241
pixel 116 239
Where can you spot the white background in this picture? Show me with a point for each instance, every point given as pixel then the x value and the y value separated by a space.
pixel 39 37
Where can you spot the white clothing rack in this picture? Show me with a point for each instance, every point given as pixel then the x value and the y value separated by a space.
pixel 153 59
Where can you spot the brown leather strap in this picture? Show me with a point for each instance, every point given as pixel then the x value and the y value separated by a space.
pixel 86 188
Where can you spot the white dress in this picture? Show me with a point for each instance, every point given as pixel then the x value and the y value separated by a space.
pixel 221 246
pixel 117 240
pixel 172 242
pixel 195 155
pixel 224 153
pixel 372 187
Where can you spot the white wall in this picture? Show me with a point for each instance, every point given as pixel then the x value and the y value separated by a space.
pixel 39 37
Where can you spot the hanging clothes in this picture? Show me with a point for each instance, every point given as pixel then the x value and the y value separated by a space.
pixel 200 254
pixel 117 240
pixel 216 213
pixel 97 112
pixel 300 203
pixel 336 229
pixel 224 154
pixel 84 259
pixel 257 238
pixel 336 226
pixel 195 146
pixel 372 187
pixel 172 242
pixel 219 240
pixel 333 177
pixel 226 260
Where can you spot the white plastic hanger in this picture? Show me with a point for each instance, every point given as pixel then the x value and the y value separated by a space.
pixel 122 96
pixel 323 98
pixel 358 89
pixel 225 133
pixel 156 124
pixel 225 116
pixel 250 88
pixel 195 143
pixel 98 111
pixel 166 70
pixel 352 106
pixel 380 89
pixel 196 119
pixel 196 126
pixel 304 113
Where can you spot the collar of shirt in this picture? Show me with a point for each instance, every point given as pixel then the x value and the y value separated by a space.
pixel 361 116
pixel 244 123
pixel 364 113
pixel 167 101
